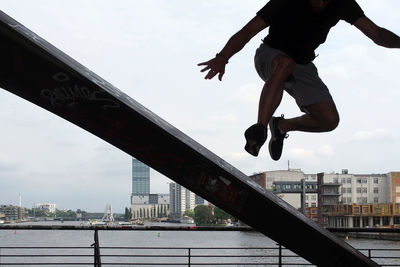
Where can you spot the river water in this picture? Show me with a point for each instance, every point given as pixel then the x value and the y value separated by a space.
pixel 165 239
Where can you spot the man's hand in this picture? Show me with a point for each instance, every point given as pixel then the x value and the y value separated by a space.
pixel 214 66
pixel 235 44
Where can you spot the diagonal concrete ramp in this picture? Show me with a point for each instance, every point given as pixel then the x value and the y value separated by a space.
pixel 35 70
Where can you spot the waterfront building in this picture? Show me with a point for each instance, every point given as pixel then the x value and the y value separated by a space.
pixel 198 200
pixel 11 212
pixel 343 199
pixel 394 181
pixel 46 207
pixel 140 178
pixel 288 179
pixel 368 200
pixel 181 200
pixel 362 188
pixel 143 204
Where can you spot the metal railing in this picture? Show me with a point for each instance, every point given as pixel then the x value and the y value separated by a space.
pixel 164 256
pixel 96 255
pixel 149 256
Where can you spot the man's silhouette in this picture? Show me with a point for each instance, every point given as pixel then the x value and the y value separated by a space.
pixel 284 62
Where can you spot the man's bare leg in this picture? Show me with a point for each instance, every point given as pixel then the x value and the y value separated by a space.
pixel 270 99
pixel 272 92
pixel 323 117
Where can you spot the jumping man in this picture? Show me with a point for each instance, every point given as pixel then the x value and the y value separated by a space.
pixel 284 62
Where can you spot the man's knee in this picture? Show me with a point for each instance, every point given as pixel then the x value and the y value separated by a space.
pixel 283 64
pixel 330 122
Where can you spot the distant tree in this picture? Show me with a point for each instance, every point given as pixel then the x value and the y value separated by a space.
pixel 220 214
pixel 189 213
pixel 40 213
pixel 65 214
pixel 128 214
pixel 202 215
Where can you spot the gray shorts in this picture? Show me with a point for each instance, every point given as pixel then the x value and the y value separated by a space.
pixel 304 85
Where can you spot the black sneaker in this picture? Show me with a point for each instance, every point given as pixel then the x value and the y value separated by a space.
pixel 255 137
pixel 276 143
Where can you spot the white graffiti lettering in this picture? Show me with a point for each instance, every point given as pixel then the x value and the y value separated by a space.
pixel 72 95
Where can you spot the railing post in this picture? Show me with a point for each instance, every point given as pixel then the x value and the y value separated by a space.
pixel 189 256
pixel 369 253
pixel 280 256
pixel 96 246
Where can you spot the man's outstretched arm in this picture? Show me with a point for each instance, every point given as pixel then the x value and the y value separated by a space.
pixel 379 35
pixel 234 45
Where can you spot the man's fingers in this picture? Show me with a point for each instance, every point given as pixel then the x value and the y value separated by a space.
pixel 206 68
pixel 211 74
pixel 204 63
pixel 212 69
pixel 220 75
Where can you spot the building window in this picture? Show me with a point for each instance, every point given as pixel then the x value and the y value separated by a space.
pixel 349 180
pixel 313 204
pixel 349 190
pixel 376 221
pixel 358 180
pixel 376 180
pixel 376 200
pixel 364 190
pixel 356 221
pixel 343 180
pixel 385 221
pixel 286 186
pixel 297 186
pixel 362 200
pixel 358 190
pixel 376 190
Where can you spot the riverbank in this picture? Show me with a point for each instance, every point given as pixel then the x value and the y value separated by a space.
pixel 374 236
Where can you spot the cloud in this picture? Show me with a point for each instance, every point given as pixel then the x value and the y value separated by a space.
pixel 246 94
pixel 8 166
pixel 239 155
pixel 378 135
pixel 302 153
pixel 223 118
pixel 154 61
pixel 325 150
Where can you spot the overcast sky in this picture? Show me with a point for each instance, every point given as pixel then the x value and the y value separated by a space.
pixel 150 50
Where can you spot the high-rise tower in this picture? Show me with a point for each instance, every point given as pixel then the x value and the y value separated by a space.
pixel 140 180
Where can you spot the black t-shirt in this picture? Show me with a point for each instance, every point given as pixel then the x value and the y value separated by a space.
pixel 297 30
